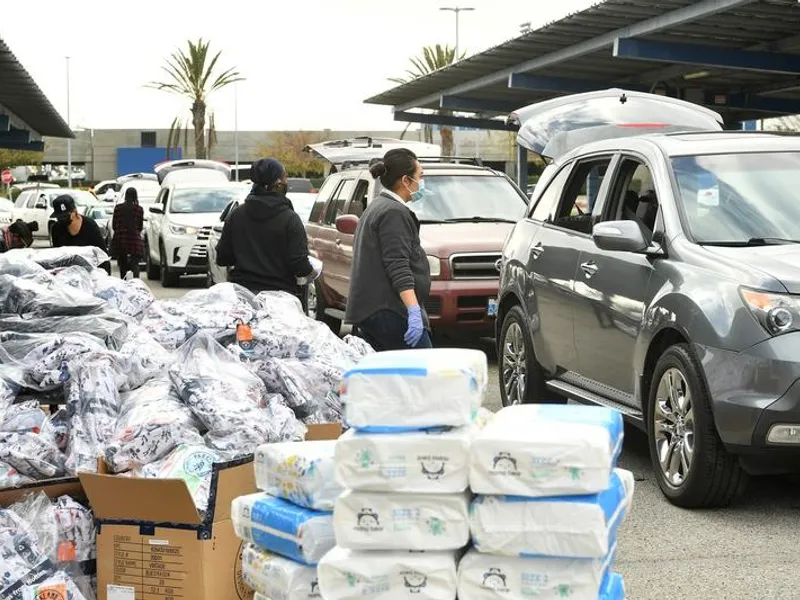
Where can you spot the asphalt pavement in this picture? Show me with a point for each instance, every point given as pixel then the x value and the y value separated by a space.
pixel 745 552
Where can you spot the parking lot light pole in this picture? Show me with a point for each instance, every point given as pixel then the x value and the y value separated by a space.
pixel 69 140
pixel 236 127
pixel 456 10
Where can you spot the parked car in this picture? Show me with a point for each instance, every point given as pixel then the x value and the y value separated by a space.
pixel 467 212
pixel 192 170
pixel 102 215
pixel 6 212
pixel 673 298
pixel 101 190
pixel 36 204
pixel 176 242
pixel 303 203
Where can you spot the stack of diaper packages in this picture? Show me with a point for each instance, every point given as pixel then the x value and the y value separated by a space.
pixel 289 526
pixel 403 521
pixel 549 503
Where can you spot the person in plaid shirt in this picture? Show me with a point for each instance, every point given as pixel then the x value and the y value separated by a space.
pixel 127 224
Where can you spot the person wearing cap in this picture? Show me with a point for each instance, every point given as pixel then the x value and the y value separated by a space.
pixel 264 241
pixel 74 229
pixel 18 235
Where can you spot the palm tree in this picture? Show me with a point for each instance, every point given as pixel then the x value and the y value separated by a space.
pixel 432 59
pixel 193 76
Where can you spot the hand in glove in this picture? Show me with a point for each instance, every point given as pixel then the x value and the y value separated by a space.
pixel 415 329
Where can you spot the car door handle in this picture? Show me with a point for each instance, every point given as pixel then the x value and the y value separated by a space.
pixel 589 268
pixel 338 242
pixel 537 250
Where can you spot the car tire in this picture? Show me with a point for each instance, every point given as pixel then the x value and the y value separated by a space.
pixel 168 278
pixel 522 380
pixel 153 271
pixel 692 467
pixel 321 306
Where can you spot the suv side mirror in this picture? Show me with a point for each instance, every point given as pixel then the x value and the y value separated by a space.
pixel 619 236
pixel 156 210
pixel 347 224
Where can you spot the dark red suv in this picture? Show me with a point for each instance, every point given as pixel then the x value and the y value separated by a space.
pixel 466 214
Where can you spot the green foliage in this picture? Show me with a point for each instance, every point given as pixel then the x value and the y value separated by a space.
pixel 432 59
pixel 19 158
pixel 287 147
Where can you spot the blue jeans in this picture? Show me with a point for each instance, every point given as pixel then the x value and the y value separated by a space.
pixel 385 330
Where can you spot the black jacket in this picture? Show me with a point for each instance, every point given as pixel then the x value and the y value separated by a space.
pixel 387 259
pixel 264 241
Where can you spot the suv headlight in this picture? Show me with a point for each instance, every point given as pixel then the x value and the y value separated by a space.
pixel 436 265
pixel 182 230
pixel 777 313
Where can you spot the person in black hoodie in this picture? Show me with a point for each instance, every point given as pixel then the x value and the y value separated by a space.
pixel 264 241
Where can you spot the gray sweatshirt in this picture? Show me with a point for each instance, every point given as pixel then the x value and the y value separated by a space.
pixel 387 259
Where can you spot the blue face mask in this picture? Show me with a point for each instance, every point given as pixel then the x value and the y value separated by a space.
pixel 420 193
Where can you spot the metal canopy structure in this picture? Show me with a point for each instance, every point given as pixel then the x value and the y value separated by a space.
pixel 25 112
pixel 738 57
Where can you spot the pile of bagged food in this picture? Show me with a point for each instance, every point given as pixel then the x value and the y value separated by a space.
pixel 429 496
pixel 47 549
pixel 95 372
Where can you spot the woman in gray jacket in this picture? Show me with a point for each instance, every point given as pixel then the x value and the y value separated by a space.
pixel 391 278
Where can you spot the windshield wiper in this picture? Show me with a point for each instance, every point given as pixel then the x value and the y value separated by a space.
pixel 755 241
pixel 429 221
pixel 479 220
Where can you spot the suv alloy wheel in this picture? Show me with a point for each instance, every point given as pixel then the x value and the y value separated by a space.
pixel 693 468
pixel 168 278
pixel 521 376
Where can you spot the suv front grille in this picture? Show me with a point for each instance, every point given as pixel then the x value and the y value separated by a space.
pixel 475 266
pixel 203 233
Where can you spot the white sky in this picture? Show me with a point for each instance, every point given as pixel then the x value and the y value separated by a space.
pixel 309 64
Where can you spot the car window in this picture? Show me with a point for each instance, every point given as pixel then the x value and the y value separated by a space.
pixel 201 200
pixel 32 201
pixel 548 202
pixel 299 185
pixel 580 194
pixel 468 197
pixel 633 196
pixel 21 199
pixel 322 197
pixel 359 201
pixel 740 199
pixel 336 207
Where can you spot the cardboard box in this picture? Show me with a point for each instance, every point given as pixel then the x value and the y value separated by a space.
pixel 152 544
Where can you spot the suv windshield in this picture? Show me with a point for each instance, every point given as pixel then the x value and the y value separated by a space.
pixel 740 199
pixel 454 198
pixel 203 200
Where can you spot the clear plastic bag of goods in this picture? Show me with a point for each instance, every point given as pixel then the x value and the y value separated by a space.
pixel 546 450
pixel 415 389
pixel 433 461
pixel 277 578
pixel 224 395
pixel 303 383
pixel 215 311
pixel 565 526
pixel 19 264
pixel 111 328
pixel 192 463
pixel 489 576
pixel 132 298
pixel 353 575
pixel 28 298
pixel 152 422
pixel 390 521
pixel 33 455
pixel 300 472
pixel 10 477
pixel 169 330
pixel 87 257
pixel 93 404
pixel 76 277
pixel 146 359
pixel 22 417
pixel 278 526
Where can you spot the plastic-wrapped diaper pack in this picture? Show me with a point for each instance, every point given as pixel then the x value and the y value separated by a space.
pixel 546 450
pixel 415 389
pixel 379 521
pixel 565 526
pixel 273 524
pixel 426 462
pixel 488 577
pixel 349 575
pixel 278 578
pixel 301 472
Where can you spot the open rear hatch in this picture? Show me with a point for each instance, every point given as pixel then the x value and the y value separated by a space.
pixel 554 127
pixel 364 149
pixel 195 170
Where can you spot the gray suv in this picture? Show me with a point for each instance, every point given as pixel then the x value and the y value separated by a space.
pixel 659 274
